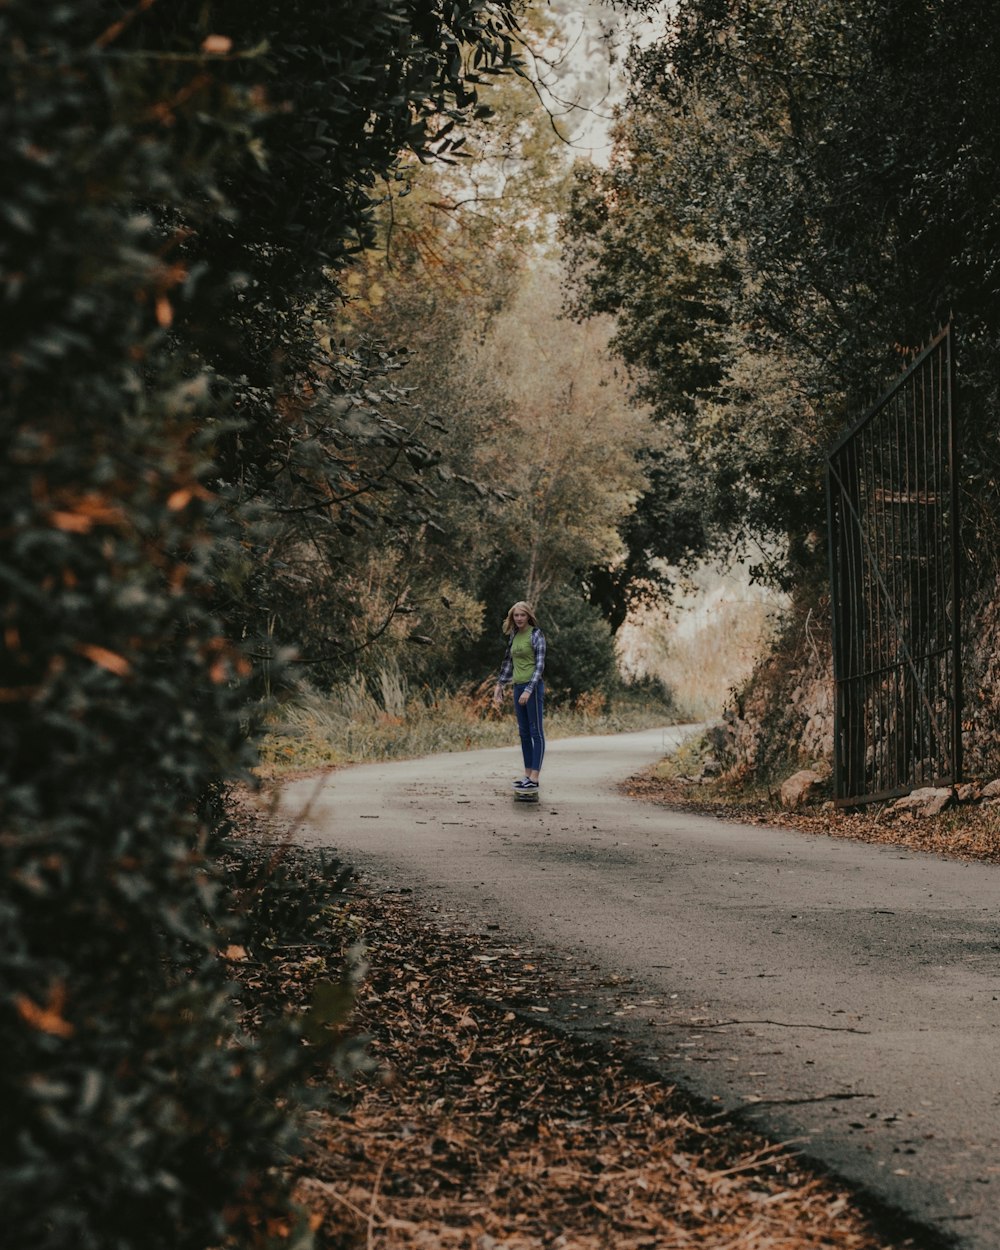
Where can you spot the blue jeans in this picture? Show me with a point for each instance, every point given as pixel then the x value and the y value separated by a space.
pixel 530 726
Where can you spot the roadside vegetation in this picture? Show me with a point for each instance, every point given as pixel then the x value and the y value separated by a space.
pixel 179 182
pixel 387 719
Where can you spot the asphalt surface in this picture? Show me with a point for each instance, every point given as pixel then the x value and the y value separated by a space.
pixel 843 995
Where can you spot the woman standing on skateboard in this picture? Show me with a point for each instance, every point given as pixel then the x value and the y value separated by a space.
pixel 524 662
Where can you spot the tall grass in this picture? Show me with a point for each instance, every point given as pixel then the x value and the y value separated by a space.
pixel 707 642
pixel 380 717
pixel 706 664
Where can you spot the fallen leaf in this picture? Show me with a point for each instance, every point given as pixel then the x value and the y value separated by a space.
pixel 104 658
pixel 48 1019
pixel 179 499
pixel 71 522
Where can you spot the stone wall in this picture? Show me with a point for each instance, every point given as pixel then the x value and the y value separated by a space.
pixel 782 719
pixel 981 663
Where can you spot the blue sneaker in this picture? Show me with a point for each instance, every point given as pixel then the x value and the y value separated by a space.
pixel 521 783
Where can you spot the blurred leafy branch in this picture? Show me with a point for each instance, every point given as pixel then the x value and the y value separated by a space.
pixel 178 182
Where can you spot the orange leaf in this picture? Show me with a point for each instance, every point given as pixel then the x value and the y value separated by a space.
pixel 179 499
pixel 96 506
pixel 71 522
pixel 235 954
pixel 164 312
pixel 45 1019
pixel 217 45
pixel 17 694
pixel 81 514
pixel 104 658
pixel 112 33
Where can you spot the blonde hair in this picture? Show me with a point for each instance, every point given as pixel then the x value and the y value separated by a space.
pixel 508 625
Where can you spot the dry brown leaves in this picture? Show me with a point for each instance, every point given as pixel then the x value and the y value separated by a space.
pixel 483 1130
pixel 970 832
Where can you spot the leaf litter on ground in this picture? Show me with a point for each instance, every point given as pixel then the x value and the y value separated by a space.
pixel 969 831
pixel 479 1128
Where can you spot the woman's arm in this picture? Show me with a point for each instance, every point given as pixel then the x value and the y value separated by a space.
pixel 506 668
pixel 506 672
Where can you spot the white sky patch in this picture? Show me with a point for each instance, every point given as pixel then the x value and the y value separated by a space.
pixel 580 74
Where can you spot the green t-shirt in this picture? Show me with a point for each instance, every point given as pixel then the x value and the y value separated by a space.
pixel 523 655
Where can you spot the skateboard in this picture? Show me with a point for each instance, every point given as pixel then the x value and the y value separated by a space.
pixel 525 796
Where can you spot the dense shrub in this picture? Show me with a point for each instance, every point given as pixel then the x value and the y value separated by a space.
pixel 580 654
pixel 137 1115
pixel 137 1112
pixel 646 690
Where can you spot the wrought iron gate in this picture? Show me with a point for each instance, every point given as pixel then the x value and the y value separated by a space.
pixel 892 497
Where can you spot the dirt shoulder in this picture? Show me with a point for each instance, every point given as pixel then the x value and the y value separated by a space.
pixel 966 832
pixel 488 1130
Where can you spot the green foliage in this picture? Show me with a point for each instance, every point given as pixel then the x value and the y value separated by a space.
pixel 290 900
pixel 139 1114
pixel 580 652
pixel 787 214
pixel 131 1123
pixel 172 177
pixel 330 447
pixel 650 692
pixel 539 468
pixel 542 456
pixel 351 476
pixel 286 895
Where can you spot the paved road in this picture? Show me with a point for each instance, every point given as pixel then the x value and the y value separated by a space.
pixel 842 994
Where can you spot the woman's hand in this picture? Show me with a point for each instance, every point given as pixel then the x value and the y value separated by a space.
pixel 498 696
pixel 524 697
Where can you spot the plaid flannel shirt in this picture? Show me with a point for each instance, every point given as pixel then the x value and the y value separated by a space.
pixel 538 647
